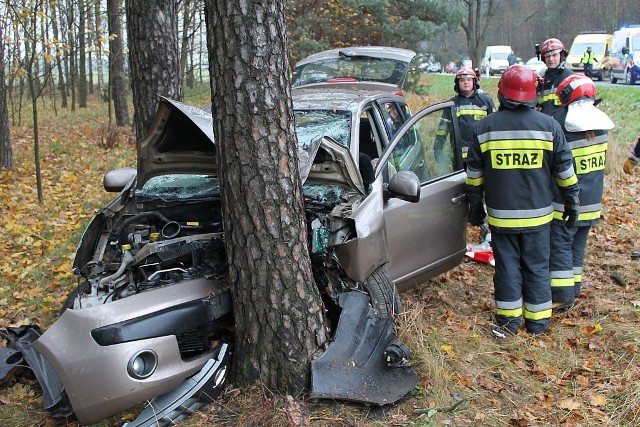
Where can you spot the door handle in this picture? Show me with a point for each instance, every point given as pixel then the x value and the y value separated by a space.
pixel 458 199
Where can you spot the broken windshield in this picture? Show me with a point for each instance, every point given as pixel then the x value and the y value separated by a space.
pixel 180 186
pixel 312 125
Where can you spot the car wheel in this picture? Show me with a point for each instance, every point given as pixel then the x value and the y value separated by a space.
pixel 85 288
pixel 383 293
pixel 629 78
pixel 613 79
pixel 600 75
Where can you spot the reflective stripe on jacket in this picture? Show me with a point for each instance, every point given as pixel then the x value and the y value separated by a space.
pixel 590 157
pixel 549 102
pixel 516 156
pixel 469 111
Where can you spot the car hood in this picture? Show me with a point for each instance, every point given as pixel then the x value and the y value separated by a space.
pixel 326 161
pixel 180 140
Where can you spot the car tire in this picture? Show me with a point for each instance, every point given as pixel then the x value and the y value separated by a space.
pixel 84 288
pixel 629 78
pixel 383 293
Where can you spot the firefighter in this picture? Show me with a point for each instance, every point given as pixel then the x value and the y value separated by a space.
pixel 516 155
pixel 586 129
pixel 471 106
pixel 554 56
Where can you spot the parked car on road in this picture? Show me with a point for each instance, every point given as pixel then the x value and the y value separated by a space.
pixel 151 319
pixel 537 65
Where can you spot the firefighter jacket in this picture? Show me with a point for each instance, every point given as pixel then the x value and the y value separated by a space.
pixel 468 111
pixel 590 154
pixel 588 58
pixel 549 103
pixel 515 157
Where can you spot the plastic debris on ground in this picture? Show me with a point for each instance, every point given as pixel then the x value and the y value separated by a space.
pixel 482 252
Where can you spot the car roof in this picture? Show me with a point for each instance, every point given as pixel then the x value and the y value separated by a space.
pixel 339 96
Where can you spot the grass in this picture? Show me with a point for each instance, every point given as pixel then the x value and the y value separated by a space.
pixel 584 372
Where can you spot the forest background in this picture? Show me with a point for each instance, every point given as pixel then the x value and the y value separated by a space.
pixel 584 374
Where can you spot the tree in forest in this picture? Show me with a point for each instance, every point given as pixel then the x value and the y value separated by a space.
pixel 152 34
pixel 277 306
pixel 479 19
pixel 6 155
pixel 117 92
pixel 316 26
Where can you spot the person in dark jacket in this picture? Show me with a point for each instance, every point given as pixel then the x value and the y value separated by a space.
pixel 586 129
pixel 471 105
pixel 554 56
pixel 517 157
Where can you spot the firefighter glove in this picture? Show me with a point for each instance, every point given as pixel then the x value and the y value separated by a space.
pixel 570 215
pixel 476 210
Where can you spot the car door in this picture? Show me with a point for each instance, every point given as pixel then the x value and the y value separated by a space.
pixel 426 238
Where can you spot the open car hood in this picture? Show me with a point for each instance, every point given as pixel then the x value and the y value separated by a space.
pixel 180 140
pixel 328 162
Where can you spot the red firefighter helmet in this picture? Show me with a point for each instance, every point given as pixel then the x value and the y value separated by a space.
pixel 466 72
pixel 551 46
pixel 518 83
pixel 575 86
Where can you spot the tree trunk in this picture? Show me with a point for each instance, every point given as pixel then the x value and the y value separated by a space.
pixel 117 80
pixel 6 155
pixel 278 310
pixel 61 85
pixel 82 57
pixel 154 57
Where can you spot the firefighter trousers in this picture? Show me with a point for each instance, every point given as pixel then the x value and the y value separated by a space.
pixel 521 280
pixel 565 263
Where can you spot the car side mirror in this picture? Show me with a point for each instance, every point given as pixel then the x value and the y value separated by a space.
pixel 405 185
pixel 625 50
pixel 114 181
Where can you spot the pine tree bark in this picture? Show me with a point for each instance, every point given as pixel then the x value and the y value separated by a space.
pixel 278 309
pixel 117 79
pixel 154 58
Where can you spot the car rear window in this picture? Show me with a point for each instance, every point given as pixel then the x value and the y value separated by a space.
pixel 359 68
pixel 312 125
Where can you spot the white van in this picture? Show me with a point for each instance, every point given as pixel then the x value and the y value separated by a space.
pixel 495 59
pixel 625 51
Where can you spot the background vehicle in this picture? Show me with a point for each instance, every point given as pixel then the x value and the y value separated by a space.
pixel 600 43
pixel 625 55
pixel 538 66
pixel 495 59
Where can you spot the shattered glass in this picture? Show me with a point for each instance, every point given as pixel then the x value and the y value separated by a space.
pixel 180 186
pixel 312 125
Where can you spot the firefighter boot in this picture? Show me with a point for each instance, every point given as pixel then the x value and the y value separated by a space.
pixel 629 165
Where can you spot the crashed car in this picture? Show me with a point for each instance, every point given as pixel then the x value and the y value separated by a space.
pixel 152 317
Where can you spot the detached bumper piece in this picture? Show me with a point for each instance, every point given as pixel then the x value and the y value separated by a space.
pixel 19 351
pixel 193 394
pixel 353 367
